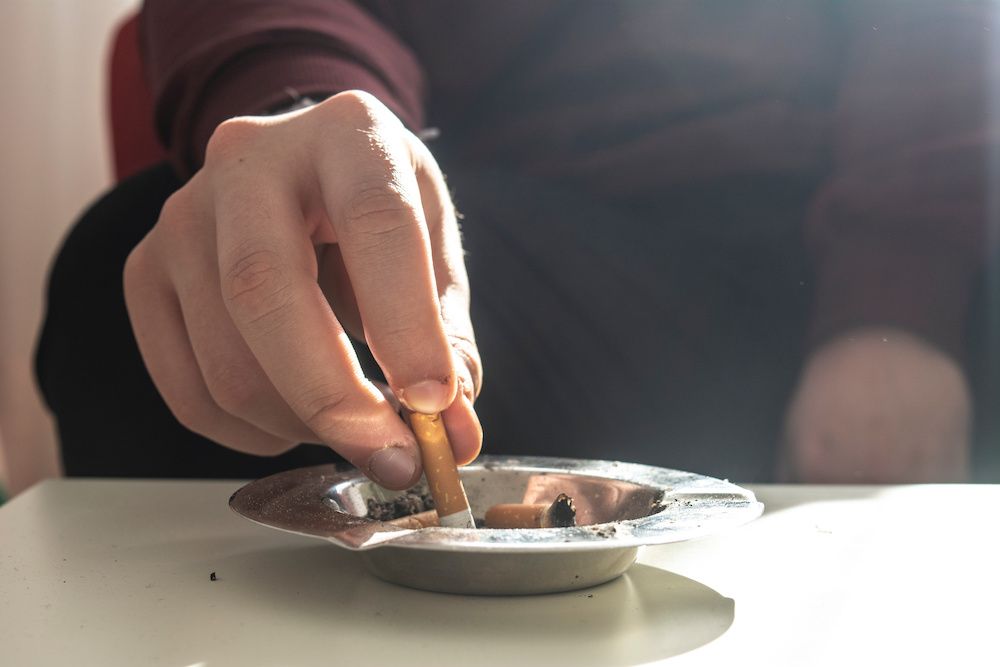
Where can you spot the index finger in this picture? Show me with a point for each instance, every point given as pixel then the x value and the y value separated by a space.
pixel 375 208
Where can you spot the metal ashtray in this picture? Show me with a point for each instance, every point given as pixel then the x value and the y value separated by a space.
pixel 620 507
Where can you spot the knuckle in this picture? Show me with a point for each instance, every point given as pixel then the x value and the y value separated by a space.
pixel 356 107
pixel 192 415
pixel 257 288
pixel 234 388
pixel 396 336
pixel 175 206
pixel 376 201
pixel 177 217
pixel 323 411
pixel 376 213
pixel 421 153
pixel 231 137
pixel 135 265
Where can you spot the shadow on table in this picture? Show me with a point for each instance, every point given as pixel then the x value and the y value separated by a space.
pixel 646 615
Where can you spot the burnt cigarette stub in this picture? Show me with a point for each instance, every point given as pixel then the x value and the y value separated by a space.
pixel 446 488
pixel 560 514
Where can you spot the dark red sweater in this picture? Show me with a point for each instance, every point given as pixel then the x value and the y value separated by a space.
pixel 889 100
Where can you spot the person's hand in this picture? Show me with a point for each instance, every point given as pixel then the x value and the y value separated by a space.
pixel 878 406
pixel 299 229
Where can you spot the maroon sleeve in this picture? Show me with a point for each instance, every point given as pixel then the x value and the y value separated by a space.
pixel 209 61
pixel 899 232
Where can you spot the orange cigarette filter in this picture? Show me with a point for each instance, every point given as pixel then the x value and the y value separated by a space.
pixel 560 514
pixel 446 488
pixel 515 515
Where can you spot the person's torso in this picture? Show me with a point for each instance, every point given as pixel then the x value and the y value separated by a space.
pixel 631 99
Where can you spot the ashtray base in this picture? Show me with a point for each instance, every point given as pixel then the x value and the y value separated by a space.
pixel 486 573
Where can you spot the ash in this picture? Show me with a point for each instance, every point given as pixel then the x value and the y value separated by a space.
pixel 404 505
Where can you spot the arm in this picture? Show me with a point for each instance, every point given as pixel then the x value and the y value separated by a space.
pixel 209 61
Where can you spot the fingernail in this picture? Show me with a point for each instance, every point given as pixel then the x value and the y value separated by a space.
pixel 426 396
pixel 393 467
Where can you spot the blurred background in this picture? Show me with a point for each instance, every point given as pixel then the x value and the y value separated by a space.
pixel 55 159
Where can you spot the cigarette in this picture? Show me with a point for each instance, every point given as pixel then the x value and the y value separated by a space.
pixel 560 514
pixel 427 519
pixel 446 488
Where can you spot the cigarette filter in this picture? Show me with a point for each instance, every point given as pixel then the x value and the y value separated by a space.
pixel 446 488
pixel 560 514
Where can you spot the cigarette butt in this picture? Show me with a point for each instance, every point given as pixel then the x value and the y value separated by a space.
pixel 560 514
pixel 446 488
pixel 515 516
pixel 427 519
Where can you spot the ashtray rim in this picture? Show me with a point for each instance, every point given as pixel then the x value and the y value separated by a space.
pixel 693 506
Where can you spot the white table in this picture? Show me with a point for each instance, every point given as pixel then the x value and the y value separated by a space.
pixel 117 573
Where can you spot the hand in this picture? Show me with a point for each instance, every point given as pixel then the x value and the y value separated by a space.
pixel 879 406
pixel 299 229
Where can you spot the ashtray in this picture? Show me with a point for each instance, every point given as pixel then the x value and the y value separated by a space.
pixel 620 507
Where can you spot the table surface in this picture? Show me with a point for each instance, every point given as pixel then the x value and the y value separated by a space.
pixel 118 573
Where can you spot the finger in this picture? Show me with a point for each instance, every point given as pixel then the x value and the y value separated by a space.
pixel 162 339
pixel 448 257
pixel 268 272
pixel 232 375
pixel 465 433
pixel 461 421
pixel 374 205
pixel 464 430
pixel 336 285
